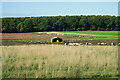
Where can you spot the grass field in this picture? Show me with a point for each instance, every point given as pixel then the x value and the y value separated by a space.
pixel 59 61
pixel 115 33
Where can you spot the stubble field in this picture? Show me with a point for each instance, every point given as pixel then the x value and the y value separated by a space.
pixel 59 61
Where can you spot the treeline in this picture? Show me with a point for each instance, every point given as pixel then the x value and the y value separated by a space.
pixel 60 23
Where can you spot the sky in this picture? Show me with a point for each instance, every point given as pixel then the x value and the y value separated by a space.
pixel 34 9
pixel 60 0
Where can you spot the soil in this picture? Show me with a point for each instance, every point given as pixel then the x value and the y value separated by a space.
pixel 21 36
pixel 39 36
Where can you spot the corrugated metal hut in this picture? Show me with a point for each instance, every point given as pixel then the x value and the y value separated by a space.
pixel 56 40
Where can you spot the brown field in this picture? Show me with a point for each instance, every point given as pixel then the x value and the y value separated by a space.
pixel 59 61
pixel 43 37
pixel 6 36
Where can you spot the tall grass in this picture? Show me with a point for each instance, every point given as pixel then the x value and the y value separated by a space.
pixel 0 62
pixel 59 61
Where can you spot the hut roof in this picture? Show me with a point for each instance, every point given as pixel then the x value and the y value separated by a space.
pixel 55 38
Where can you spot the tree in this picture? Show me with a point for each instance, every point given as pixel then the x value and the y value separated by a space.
pixel 60 23
pixel 20 27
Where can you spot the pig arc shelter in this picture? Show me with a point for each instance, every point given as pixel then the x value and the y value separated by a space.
pixel 56 40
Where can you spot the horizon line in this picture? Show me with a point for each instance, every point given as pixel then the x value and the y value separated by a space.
pixel 54 16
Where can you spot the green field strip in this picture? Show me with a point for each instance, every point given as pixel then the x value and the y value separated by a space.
pixel 113 33
pixel 90 38
pixel 25 40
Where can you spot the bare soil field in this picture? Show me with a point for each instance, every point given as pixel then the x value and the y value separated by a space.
pixel 44 38
pixel 15 36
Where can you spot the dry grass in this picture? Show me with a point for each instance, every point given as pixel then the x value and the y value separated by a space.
pixel 53 61
pixel 0 63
